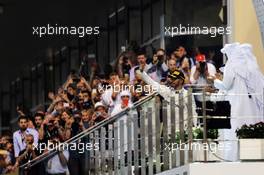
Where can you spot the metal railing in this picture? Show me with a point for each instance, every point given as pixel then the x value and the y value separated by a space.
pixel 146 138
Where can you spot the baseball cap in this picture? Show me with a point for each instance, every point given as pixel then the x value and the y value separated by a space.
pixel 177 74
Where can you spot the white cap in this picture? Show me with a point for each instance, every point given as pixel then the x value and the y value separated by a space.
pixel 125 93
pixel 98 104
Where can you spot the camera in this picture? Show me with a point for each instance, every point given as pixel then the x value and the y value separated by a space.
pixel 126 66
pixel 202 67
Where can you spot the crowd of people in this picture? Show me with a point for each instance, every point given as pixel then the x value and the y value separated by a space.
pixel 82 102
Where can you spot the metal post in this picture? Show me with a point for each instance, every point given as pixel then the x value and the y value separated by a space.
pixel 165 140
pixel 136 161
pixel 110 150
pixel 181 126
pixel 129 145
pixel 102 149
pixel 173 129
pixel 150 142
pixel 92 156
pixel 116 151
pixel 122 147
pixel 204 124
pixel 97 154
pixel 158 136
pixel 190 124
pixel 142 143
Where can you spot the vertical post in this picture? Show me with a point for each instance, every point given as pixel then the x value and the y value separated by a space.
pixel 158 136
pixel 97 155
pixel 150 142
pixel 116 150
pixel 181 126
pixel 92 156
pixel 173 130
pixel 122 147
pixel 162 32
pixel 136 161
pixel 129 145
pixel 110 149
pixel 190 124
pixel 165 140
pixel 204 124
pixel 142 143
pixel 102 149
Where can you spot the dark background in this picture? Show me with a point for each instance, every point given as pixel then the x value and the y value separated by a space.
pixel 20 50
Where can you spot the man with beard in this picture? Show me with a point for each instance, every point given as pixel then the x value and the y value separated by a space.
pixel 19 137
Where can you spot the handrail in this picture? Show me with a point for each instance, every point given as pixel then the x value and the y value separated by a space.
pixel 86 132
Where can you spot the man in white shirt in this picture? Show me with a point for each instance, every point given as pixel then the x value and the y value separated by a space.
pixel 142 64
pixel 201 71
pixel 173 87
pixel 201 74
pixel 58 163
pixel 20 135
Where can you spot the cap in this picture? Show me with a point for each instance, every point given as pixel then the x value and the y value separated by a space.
pixel 200 58
pixel 177 74
pixel 125 93
pixel 98 104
